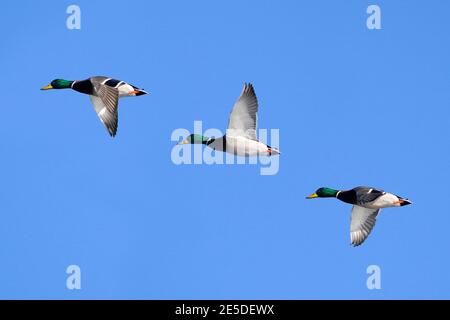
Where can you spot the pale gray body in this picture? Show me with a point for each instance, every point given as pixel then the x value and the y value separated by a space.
pixel 240 138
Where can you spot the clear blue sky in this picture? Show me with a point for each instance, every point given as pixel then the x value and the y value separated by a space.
pixel 354 107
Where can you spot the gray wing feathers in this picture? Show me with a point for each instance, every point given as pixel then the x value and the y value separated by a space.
pixel 243 117
pixel 362 223
pixel 105 104
pixel 98 80
pixel 366 195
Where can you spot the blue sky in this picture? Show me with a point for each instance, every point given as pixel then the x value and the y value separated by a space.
pixel 353 106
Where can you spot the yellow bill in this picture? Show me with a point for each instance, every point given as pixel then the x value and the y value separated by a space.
pixel 185 141
pixel 47 87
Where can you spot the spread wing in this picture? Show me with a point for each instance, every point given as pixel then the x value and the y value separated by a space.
pixel 106 105
pixel 363 221
pixel 243 117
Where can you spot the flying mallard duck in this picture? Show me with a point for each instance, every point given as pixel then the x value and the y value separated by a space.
pixel 104 93
pixel 240 138
pixel 367 203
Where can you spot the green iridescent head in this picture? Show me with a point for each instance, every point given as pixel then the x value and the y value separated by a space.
pixel 58 84
pixel 323 193
pixel 195 139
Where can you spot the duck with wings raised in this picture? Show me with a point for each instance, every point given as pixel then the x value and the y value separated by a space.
pixel 240 138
